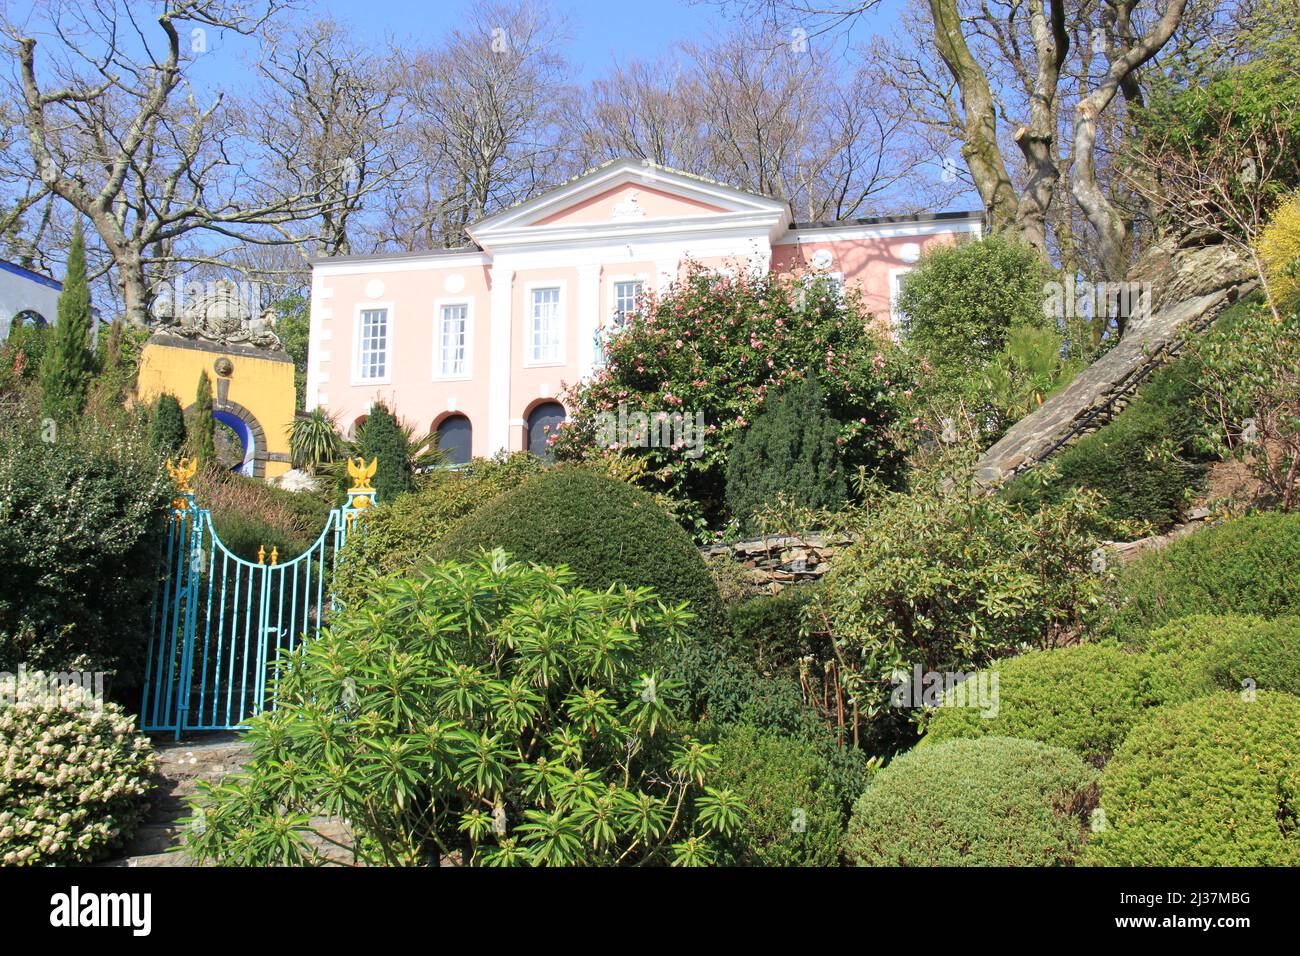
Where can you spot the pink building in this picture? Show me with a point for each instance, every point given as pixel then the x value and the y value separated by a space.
pixel 478 342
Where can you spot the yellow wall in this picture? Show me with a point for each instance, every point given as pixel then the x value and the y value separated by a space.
pixel 263 386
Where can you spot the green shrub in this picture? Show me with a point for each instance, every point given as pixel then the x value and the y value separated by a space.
pixel 795 817
pixel 399 535
pixel 202 427
pixel 69 363
pixel 1245 566
pixel 789 452
pixel 1210 782
pixel 721 347
pixel 949 579
pixel 381 438
pixel 992 801
pixel 492 709
pixel 768 627
pixel 605 530
pixel 167 426
pixel 73 773
pixel 1083 698
pixel 1143 463
pixel 960 302
pixel 81 520
pixel 1198 655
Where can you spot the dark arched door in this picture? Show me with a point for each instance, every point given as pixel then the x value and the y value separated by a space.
pixel 455 438
pixel 543 422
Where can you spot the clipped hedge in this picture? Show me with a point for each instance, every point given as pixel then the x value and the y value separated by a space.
pixel 992 801
pixel 1084 699
pixel 1117 461
pixel 795 816
pixel 605 530
pixel 1210 782
pixel 399 535
pixel 1198 655
pixel 1246 566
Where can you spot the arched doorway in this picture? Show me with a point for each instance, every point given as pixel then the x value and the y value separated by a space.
pixel 456 439
pixel 543 422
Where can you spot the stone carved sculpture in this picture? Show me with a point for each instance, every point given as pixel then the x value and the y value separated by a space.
pixel 220 311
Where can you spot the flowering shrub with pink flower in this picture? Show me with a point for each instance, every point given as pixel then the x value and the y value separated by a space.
pixel 73 773
pixel 722 345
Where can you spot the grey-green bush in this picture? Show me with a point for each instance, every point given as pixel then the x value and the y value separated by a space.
pixel 990 801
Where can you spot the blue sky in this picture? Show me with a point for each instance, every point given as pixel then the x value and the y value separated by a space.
pixel 601 30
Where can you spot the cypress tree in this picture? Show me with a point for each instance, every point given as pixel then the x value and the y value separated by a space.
pixel 167 428
pixel 203 442
pixel 789 450
pixel 68 364
pixel 382 439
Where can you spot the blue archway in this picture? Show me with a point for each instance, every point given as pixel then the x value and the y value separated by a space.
pixel 245 433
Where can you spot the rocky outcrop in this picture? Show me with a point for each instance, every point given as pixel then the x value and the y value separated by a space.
pixel 1192 281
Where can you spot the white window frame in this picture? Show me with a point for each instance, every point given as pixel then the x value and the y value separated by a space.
pixel 438 306
pixel 390 324
pixel 838 277
pixel 607 326
pixel 895 325
pixel 561 313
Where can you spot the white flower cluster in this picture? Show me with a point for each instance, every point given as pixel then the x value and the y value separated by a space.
pixel 73 774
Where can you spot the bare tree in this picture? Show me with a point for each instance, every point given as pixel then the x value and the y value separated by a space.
pixel 116 131
pixel 483 134
pixel 328 114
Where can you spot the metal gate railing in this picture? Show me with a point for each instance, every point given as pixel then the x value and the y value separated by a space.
pixel 221 622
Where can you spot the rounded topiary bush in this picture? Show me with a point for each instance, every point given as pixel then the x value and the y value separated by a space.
pixel 1246 566
pixel 605 530
pixel 1198 655
pixel 991 801
pixel 1083 698
pixel 73 773
pixel 795 816
pixel 1209 782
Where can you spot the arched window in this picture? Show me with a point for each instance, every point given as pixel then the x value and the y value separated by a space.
pixel 456 439
pixel 543 422
pixel 358 425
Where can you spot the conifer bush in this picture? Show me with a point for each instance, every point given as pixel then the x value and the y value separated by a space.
pixel 167 426
pixel 790 451
pixel 1213 781
pixel 1084 698
pixel 68 364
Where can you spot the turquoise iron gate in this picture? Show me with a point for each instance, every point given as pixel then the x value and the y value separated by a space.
pixel 222 622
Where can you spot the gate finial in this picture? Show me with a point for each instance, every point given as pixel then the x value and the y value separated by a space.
pixel 181 472
pixel 362 473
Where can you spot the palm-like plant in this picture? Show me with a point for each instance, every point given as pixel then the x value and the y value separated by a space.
pixel 314 440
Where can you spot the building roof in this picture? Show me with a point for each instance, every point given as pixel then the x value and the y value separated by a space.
pixel 25 273
pixel 627 163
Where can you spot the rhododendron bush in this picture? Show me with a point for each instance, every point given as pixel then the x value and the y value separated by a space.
pixel 73 772
pixel 721 346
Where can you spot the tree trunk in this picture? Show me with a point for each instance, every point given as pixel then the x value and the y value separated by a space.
pixel 980 141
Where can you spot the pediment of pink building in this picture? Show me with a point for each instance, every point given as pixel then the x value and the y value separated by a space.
pixel 629 197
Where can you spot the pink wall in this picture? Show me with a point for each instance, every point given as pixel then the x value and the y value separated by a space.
pixel 655 203
pixel 866 263
pixel 414 299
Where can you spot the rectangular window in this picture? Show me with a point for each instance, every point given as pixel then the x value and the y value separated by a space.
pixel 898 320
pixel 545 326
pixel 372 354
pixel 452 333
pixel 627 299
